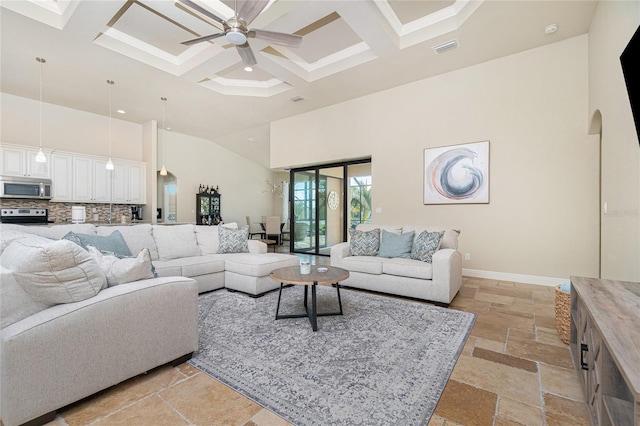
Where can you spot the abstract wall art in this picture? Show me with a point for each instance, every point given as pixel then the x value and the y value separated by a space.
pixel 457 174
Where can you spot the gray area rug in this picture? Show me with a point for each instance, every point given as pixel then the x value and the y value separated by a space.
pixel 384 362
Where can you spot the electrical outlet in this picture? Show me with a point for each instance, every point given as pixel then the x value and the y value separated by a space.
pixel 467 256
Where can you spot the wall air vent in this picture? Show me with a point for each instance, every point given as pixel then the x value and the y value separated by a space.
pixel 443 47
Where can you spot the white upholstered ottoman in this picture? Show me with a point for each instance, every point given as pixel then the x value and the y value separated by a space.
pixel 249 273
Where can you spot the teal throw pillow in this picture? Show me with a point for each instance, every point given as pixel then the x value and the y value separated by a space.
pixel 364 243
pixel 396 245
pixel 112 244
pixel 425 245
pixel 233 240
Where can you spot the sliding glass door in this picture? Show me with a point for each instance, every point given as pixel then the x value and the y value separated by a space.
pixel 322 206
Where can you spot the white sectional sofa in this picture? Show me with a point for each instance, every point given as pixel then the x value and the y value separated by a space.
pixel 190 251
pixel 61 343
pixel 436 281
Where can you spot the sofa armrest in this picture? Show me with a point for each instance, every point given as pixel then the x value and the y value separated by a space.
pixel 447 270
pixel 257 247
pixel 69 351
pixel 339 252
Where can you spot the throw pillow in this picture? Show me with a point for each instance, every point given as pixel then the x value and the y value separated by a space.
pixel 425 245
pixel 233 240
pixel 364 243
pixel 54 272
pixel 113 244
pixel 396 245
pixel 124 270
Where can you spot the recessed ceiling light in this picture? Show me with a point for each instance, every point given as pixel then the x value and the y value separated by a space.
pixel 550 29
pixel 252 140
pixel 121 111
pixel 248 69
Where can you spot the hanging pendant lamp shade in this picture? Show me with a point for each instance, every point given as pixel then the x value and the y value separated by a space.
pixel 109 165
pixel 163 170
pixel 40 157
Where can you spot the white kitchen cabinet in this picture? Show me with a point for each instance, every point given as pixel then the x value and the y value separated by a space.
pixel 22 162
pixel 129 183
pixel 91 180
pixel 62 177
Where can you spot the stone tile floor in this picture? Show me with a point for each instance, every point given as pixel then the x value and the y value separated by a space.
pixel 514 370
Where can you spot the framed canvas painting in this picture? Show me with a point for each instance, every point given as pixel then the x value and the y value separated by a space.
pixel 457 174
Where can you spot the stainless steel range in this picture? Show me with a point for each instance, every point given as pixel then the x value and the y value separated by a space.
pixel 24 215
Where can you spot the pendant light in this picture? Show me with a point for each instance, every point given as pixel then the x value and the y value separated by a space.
pixel 40 157
pixel 109 165
pixel 163 170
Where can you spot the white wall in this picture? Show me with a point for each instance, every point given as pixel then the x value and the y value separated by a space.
pixel 542 219
pixel 611 29
pixel 67 129
pixel 197 161
pixel 194 161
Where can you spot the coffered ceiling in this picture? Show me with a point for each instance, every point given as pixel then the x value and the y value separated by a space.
pixel 349 48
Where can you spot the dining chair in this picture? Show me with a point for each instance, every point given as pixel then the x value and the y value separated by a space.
pixel 254 229
pixel 272 228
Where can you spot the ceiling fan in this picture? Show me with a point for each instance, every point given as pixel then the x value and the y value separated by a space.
pixel 235 29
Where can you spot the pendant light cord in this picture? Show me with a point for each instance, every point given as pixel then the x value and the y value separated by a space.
pixel 111 83
pixel 42 61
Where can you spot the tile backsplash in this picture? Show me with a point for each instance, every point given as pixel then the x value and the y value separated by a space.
pixel 61 212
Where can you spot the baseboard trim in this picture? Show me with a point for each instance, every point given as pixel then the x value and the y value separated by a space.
pixel 519 278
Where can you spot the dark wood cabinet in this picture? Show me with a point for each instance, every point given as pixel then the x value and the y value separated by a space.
pixel 208 209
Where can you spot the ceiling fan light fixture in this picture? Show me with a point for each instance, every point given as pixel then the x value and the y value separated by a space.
pixel 236 36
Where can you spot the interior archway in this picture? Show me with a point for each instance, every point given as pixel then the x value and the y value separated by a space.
pixel 167 198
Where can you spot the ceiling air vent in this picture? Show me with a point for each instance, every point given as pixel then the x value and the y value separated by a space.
pixel 443 47
pixel 297 99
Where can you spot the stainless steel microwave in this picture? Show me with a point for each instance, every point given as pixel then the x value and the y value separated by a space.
pixel 25 187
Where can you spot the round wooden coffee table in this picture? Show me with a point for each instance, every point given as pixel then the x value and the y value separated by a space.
pixel 292 275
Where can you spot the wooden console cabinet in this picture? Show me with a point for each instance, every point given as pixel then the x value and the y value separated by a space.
pixel 605 346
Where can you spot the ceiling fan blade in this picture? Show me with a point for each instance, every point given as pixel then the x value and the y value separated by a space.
pixel 251 9
pixel 284 39
pixel 203 38
pixel 247 54
pixel 202 10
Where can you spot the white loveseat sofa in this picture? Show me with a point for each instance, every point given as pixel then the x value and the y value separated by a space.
pixel 56 352
pixel 437 281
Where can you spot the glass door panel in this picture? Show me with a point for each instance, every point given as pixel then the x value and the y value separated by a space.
pixel 303 234
pixel 359 194
pixel 330 208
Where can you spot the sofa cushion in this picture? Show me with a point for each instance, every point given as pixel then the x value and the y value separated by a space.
pixel 8 235
pixel 124 270
pixel 56 271
pixel 190 266
pixel 425 245
pixel 449 239
pixel 259 265
pixel 137 237
pixel 112 244
pixel 15 303
pixel 396 245
pixel 208 239
pixel 176 241
pixel 408 268
pixel 364 243
pixel 233 240
pixel 59 231
pixel 366 264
